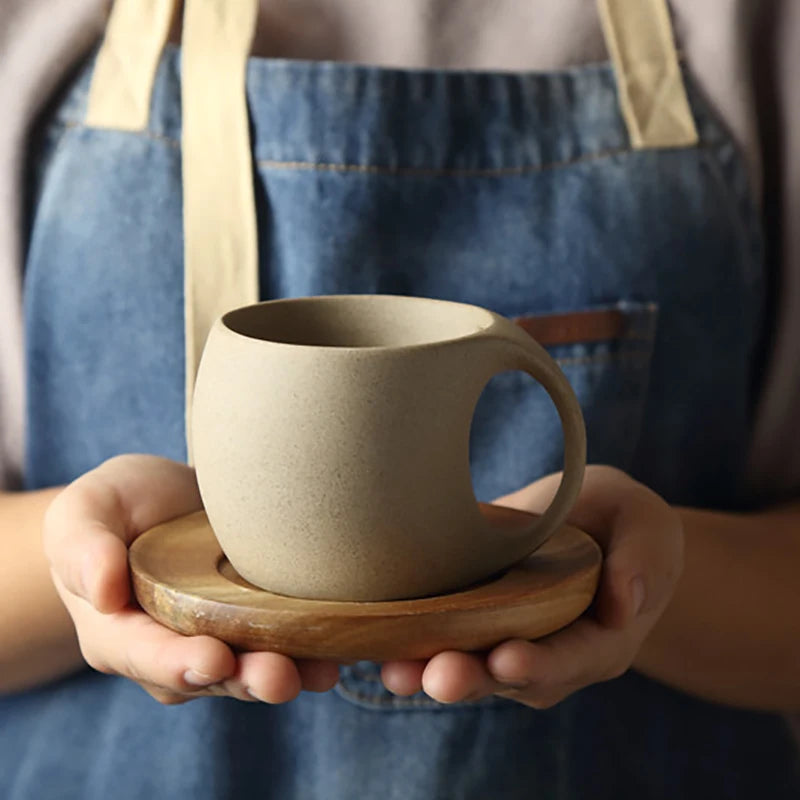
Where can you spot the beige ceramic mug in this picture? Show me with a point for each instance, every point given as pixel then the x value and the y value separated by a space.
pixel 331 440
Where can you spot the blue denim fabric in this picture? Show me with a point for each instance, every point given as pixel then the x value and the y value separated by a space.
pixel 516 192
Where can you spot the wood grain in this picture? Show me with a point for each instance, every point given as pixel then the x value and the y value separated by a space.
pixel 183 580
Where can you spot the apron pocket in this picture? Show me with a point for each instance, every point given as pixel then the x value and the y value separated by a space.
pixel 605 353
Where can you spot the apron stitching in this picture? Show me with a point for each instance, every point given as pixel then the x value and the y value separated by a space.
pixel 374 169
pixel 408 702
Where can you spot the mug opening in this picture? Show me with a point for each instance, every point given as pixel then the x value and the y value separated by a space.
pixel 358 321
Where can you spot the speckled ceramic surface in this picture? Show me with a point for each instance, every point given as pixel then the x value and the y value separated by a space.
pixel 331 440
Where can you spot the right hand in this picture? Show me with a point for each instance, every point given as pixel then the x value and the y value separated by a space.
pixel 87 530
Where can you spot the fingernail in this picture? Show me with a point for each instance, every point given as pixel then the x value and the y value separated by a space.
pixel 637 592
pixel 196 678
pixel 512 683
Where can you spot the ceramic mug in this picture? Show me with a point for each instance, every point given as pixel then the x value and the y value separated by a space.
pixel 331 441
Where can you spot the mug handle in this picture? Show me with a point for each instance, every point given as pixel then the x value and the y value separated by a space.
pixel 517 350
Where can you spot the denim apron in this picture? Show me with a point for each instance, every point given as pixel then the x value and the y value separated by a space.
pixel 531 194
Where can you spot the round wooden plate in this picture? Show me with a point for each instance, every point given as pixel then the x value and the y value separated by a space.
pixel 182 579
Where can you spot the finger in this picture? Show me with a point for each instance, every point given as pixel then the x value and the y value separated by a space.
pixel 165 697
pixel 318 676
pixel 603 491
pixel 643 558
pixel 269 677
pixel 453 677
pixel 640 534
pixel 580 655
pixel 272 678
pixel 626 580
pixel 90 523
pixel 151 489
pixel 84 536
pixel 131 644
pixel 403 678
pixel 175 662
pixel 91 562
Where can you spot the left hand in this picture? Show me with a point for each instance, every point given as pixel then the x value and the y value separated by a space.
pixel 642 541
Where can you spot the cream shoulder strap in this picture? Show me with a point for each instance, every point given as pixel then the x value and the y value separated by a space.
pixel 653 101
pixel 219 218
pixel 126 64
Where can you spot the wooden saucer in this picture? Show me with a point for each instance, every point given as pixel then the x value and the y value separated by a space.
pixel 182 579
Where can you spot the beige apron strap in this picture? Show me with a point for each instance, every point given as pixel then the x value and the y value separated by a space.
pixel 219 217
pixel 122 80
pixel 653 99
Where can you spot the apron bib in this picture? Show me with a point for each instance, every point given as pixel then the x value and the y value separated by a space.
pixel 604 207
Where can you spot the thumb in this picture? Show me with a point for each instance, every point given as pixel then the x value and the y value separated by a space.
pixel 89 525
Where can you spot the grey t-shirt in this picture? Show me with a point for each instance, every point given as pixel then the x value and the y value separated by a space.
pixel 739 52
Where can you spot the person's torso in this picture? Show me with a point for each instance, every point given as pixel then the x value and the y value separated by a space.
pixel 518 192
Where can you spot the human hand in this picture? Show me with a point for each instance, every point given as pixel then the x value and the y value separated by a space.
pixel 87 530
pixel 642 541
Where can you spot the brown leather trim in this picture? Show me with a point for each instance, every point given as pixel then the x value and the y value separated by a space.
pixel 575 326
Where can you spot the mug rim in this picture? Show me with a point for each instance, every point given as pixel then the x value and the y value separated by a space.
pixel 481 319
